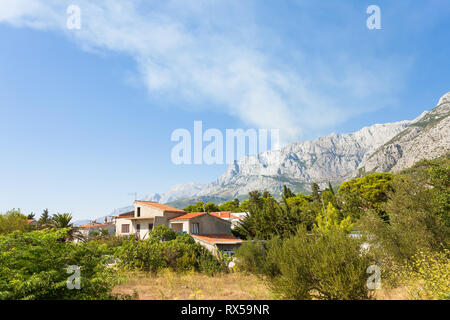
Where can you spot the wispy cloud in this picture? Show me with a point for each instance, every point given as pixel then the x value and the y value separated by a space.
pixel 210 54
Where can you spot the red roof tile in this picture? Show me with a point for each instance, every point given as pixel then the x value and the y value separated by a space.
pixel 160 206
pixel 225 215
pixel 93 225
pixel 217 238
pixel 188 216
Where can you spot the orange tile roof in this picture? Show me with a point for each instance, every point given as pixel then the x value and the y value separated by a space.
pixel 188 216
pixel 160 206
pixel 217 238
pixel 225 215
pixel 30 221
pixel 92 225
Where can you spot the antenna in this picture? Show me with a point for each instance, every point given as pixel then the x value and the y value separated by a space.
pixel 133 194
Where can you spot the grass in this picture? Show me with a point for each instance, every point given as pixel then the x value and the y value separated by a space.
pixel 168 285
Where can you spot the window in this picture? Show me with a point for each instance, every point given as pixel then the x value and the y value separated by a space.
pixel 125 228
pixel 150 226
pixel 138 227
pixel 138 211
pixel 195 228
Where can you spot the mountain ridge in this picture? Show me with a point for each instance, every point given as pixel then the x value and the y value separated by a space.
pixel 332 158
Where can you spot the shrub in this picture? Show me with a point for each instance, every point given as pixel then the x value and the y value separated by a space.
pixel 252 257
pixel 34 266
pixel 318 266
pixel 427 276
pixel 412 225
pixel 167 249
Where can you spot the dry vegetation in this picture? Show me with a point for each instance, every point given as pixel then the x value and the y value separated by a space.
pixel 168 285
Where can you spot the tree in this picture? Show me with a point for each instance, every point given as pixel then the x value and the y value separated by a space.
pixel 361 194
pixel 62 221
pixel 198 207
pixel 229 206
pixel 211 207
pixel 45 219
pixel 34 266
pixel 30 216
pixel 330 187
pixel 13 220
pixel 267 218
pixel 317 266
pixel 244 206
pixel 315 192
pixel 287 193
pixel 413 224
pixel 326 221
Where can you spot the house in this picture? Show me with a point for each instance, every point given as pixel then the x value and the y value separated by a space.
pixel 234 218
pixel 89 229
pixel 32 222
pixel 146 216
pixel 211 230
pixel 218 243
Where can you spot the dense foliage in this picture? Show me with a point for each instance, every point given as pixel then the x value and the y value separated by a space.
pixel 165 248
pixel 13 220
pixel 34 266
pixel 310 265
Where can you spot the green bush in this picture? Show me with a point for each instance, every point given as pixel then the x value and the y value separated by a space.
pixel 13 220
pixel 166 249
pixel 318 266
pixel 412 225
pixel 252 257
pixel 34 265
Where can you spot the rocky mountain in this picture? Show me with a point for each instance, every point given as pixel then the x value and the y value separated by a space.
pixel 333 158
pixel 176 192
pixel 427 137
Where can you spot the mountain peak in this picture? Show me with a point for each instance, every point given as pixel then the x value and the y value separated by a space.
pixel 444 99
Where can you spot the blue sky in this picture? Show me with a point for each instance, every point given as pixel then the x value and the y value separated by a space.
pixel 86 115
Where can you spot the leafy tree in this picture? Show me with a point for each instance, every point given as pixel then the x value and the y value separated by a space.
pixel 30 216
pixel 229 206
pixel 34 266
pixel 413 224
pixel 268 218
pixel 326 221
pixel 13 220
pixel 211 207
pixel 198 207
pixel 244 206
pixel 369 192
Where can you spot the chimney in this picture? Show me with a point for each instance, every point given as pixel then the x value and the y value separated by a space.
pixel 106 220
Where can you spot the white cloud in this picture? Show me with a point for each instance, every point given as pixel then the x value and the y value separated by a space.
pixel 211 59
